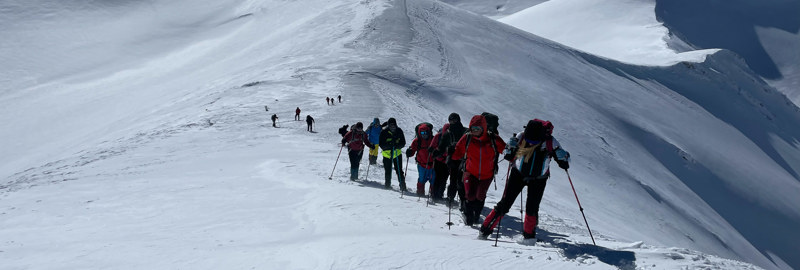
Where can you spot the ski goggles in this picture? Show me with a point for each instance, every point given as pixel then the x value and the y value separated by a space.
pixel 476 128
pixel 423 132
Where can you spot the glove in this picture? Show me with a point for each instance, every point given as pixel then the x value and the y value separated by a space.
pixel 563 164
pixel 512 143
pixel 372 147
pixel 344 142
pixel 409 152
pixel 509 157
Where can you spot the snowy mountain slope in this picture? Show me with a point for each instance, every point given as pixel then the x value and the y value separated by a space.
pixel 765 33
pixel 610 99
pixel 185 172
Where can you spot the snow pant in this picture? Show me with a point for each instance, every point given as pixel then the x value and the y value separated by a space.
pixel 373 155
pixel 425 175
pixel 456 183
pixel 355 161
pixel 309 127
pixel 475 194
pixel 273 123
pixel 297 117
pixel 513 188
pixel 441 172
pixel 397 163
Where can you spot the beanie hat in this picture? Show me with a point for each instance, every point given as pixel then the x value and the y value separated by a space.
pixel 391 121
pixel 454 116
pixel 359 125
pixel 538 130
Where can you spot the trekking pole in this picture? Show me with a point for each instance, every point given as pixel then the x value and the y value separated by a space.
pixel 366 176
pixel 449 211
pixel 499 225
pixel 581 207
pixel 406 171
pixel 337 162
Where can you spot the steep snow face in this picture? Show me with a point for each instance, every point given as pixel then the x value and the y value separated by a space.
pixel 619 123
pixel 625 31
pixel 765 33
pixel 165 159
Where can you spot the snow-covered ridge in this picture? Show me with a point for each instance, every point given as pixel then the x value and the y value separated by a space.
pixel 171 162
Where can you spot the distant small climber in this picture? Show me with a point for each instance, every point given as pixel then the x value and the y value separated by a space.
pixel 340 98
pixel 310 122
pixel 333 101
pixel 328 100
pixel 297 114
pixel 274 118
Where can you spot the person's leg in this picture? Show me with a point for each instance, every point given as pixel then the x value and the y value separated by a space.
pixel 513 188
pixel 535 194
pixel 441 172
pixel 387 167
pixel 401 178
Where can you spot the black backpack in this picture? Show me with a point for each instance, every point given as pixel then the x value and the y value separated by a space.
pixel 492 122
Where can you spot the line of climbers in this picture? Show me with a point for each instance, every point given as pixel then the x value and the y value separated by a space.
pixel 469 156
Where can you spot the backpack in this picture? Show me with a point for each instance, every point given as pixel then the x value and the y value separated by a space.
pixel 492 122
pixel 543 128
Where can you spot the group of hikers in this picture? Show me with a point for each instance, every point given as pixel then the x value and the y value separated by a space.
pixel 331 101
pixel 469 156
pixel 309 119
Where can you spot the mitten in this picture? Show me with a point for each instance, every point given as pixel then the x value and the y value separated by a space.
pixel 409 152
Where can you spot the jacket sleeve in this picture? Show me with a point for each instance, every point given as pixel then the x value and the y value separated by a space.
pixel 347 137
pixel 365 139
pixel 383 141
pixel 402 141
pixel 500 145
pixel 460 148
pixel 559 153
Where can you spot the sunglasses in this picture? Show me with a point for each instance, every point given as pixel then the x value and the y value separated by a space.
pixel 423 132
pixel 476 128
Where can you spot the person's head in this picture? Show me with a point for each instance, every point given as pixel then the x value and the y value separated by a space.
pixel 391 124
pixel 454 118
pixel 359 126
pixel 345 126
pixel 376 121
pixel 477 126
pixel 424 132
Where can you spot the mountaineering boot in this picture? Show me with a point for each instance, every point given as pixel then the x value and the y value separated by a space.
pixel 353 174
pixel 403 186
pixel 478 208
pixel 373 160
pixel 469 214
pixel 420 189
pixel 387 184
pixel 491 221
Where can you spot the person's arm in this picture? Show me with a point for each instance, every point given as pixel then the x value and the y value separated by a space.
pixel 402 140
pixel 460 148
pixel 561 155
